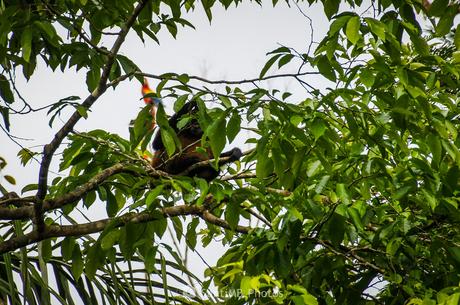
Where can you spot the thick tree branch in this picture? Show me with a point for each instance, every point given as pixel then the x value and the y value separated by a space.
pixel 27 211
pixel 82 190
pixel 55 203
pixel 98 226
pixel 51 148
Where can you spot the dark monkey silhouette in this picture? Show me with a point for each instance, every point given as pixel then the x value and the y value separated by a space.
pixel 190 139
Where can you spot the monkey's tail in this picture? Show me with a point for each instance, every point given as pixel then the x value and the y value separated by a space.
pixel 233 154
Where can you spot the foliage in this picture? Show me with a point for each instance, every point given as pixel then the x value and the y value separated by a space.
pixel 354 186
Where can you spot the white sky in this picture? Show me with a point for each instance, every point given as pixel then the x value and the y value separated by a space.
pixel 232 47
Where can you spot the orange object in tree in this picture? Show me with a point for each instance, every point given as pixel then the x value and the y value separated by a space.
pixel 150 100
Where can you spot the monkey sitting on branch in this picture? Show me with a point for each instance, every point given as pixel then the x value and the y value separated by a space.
pixel 190 152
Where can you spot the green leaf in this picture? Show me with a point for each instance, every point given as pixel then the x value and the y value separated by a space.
pixel 160 226
pixel 355 218
pixel 420 45
pixel 89 199
pixel 338 24
pixel 331 7
pixel 401 73
pixel 342 192
pixel 29 68
pixel 232 214
pixel 67 247
pixel 49 31
pixel 367 77
pixel 285 60
pixel 376 27
pixel 207 4
pixel 5 112
pixel 26 43
pixel 82 111
pixel 110 239
pixel 325 68
pixel 430 199
pixel 269 63
pixel 401 192
pixel 191 234
pixel 352 29
pixel 431 80
pixel 457 37
pixel 245 285
pixel 168 141
pixel 446 21
pixel 172 28
pixel 127 64
pixel 393 246
pixel 318 128
pixel 149 260
pixel 280 50
pixel 5 92
pixel 434 143
pixel 233 126
pixel 95 257
pixel 216 132
pixel 112 204
pixel 225 101
pixel 183 78
pixel 10 179
pixel 322 184
pixel 438 7
pixel 264 166
pixel 46 250
pixel 180 102
pixel 336 228
pixel 142 125
pixel 29 187
pixel 77 262
pixel 92 79
pixel 168 135
pixel 455 253
pixel 153 195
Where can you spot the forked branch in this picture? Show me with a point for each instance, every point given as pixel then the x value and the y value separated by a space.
pixel 102 86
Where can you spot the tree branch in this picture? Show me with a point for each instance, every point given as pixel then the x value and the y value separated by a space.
pixel 209 217
pixel 51 148
pixel 229 82
pixel 14 199
pixel 98 226
pixel 241 175
pixel 204 163
pixel 51 204
pixel 82 190
pixel 55 203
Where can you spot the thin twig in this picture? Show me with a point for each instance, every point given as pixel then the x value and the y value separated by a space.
pixel 228 82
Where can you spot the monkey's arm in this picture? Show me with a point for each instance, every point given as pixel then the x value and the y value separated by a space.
pixel 191 130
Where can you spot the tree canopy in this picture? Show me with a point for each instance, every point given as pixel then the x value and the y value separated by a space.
pixel 349 194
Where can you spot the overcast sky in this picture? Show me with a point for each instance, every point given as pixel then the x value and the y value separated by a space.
pixel 233 46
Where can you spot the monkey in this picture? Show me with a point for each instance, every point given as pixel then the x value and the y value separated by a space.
pixel 190 139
